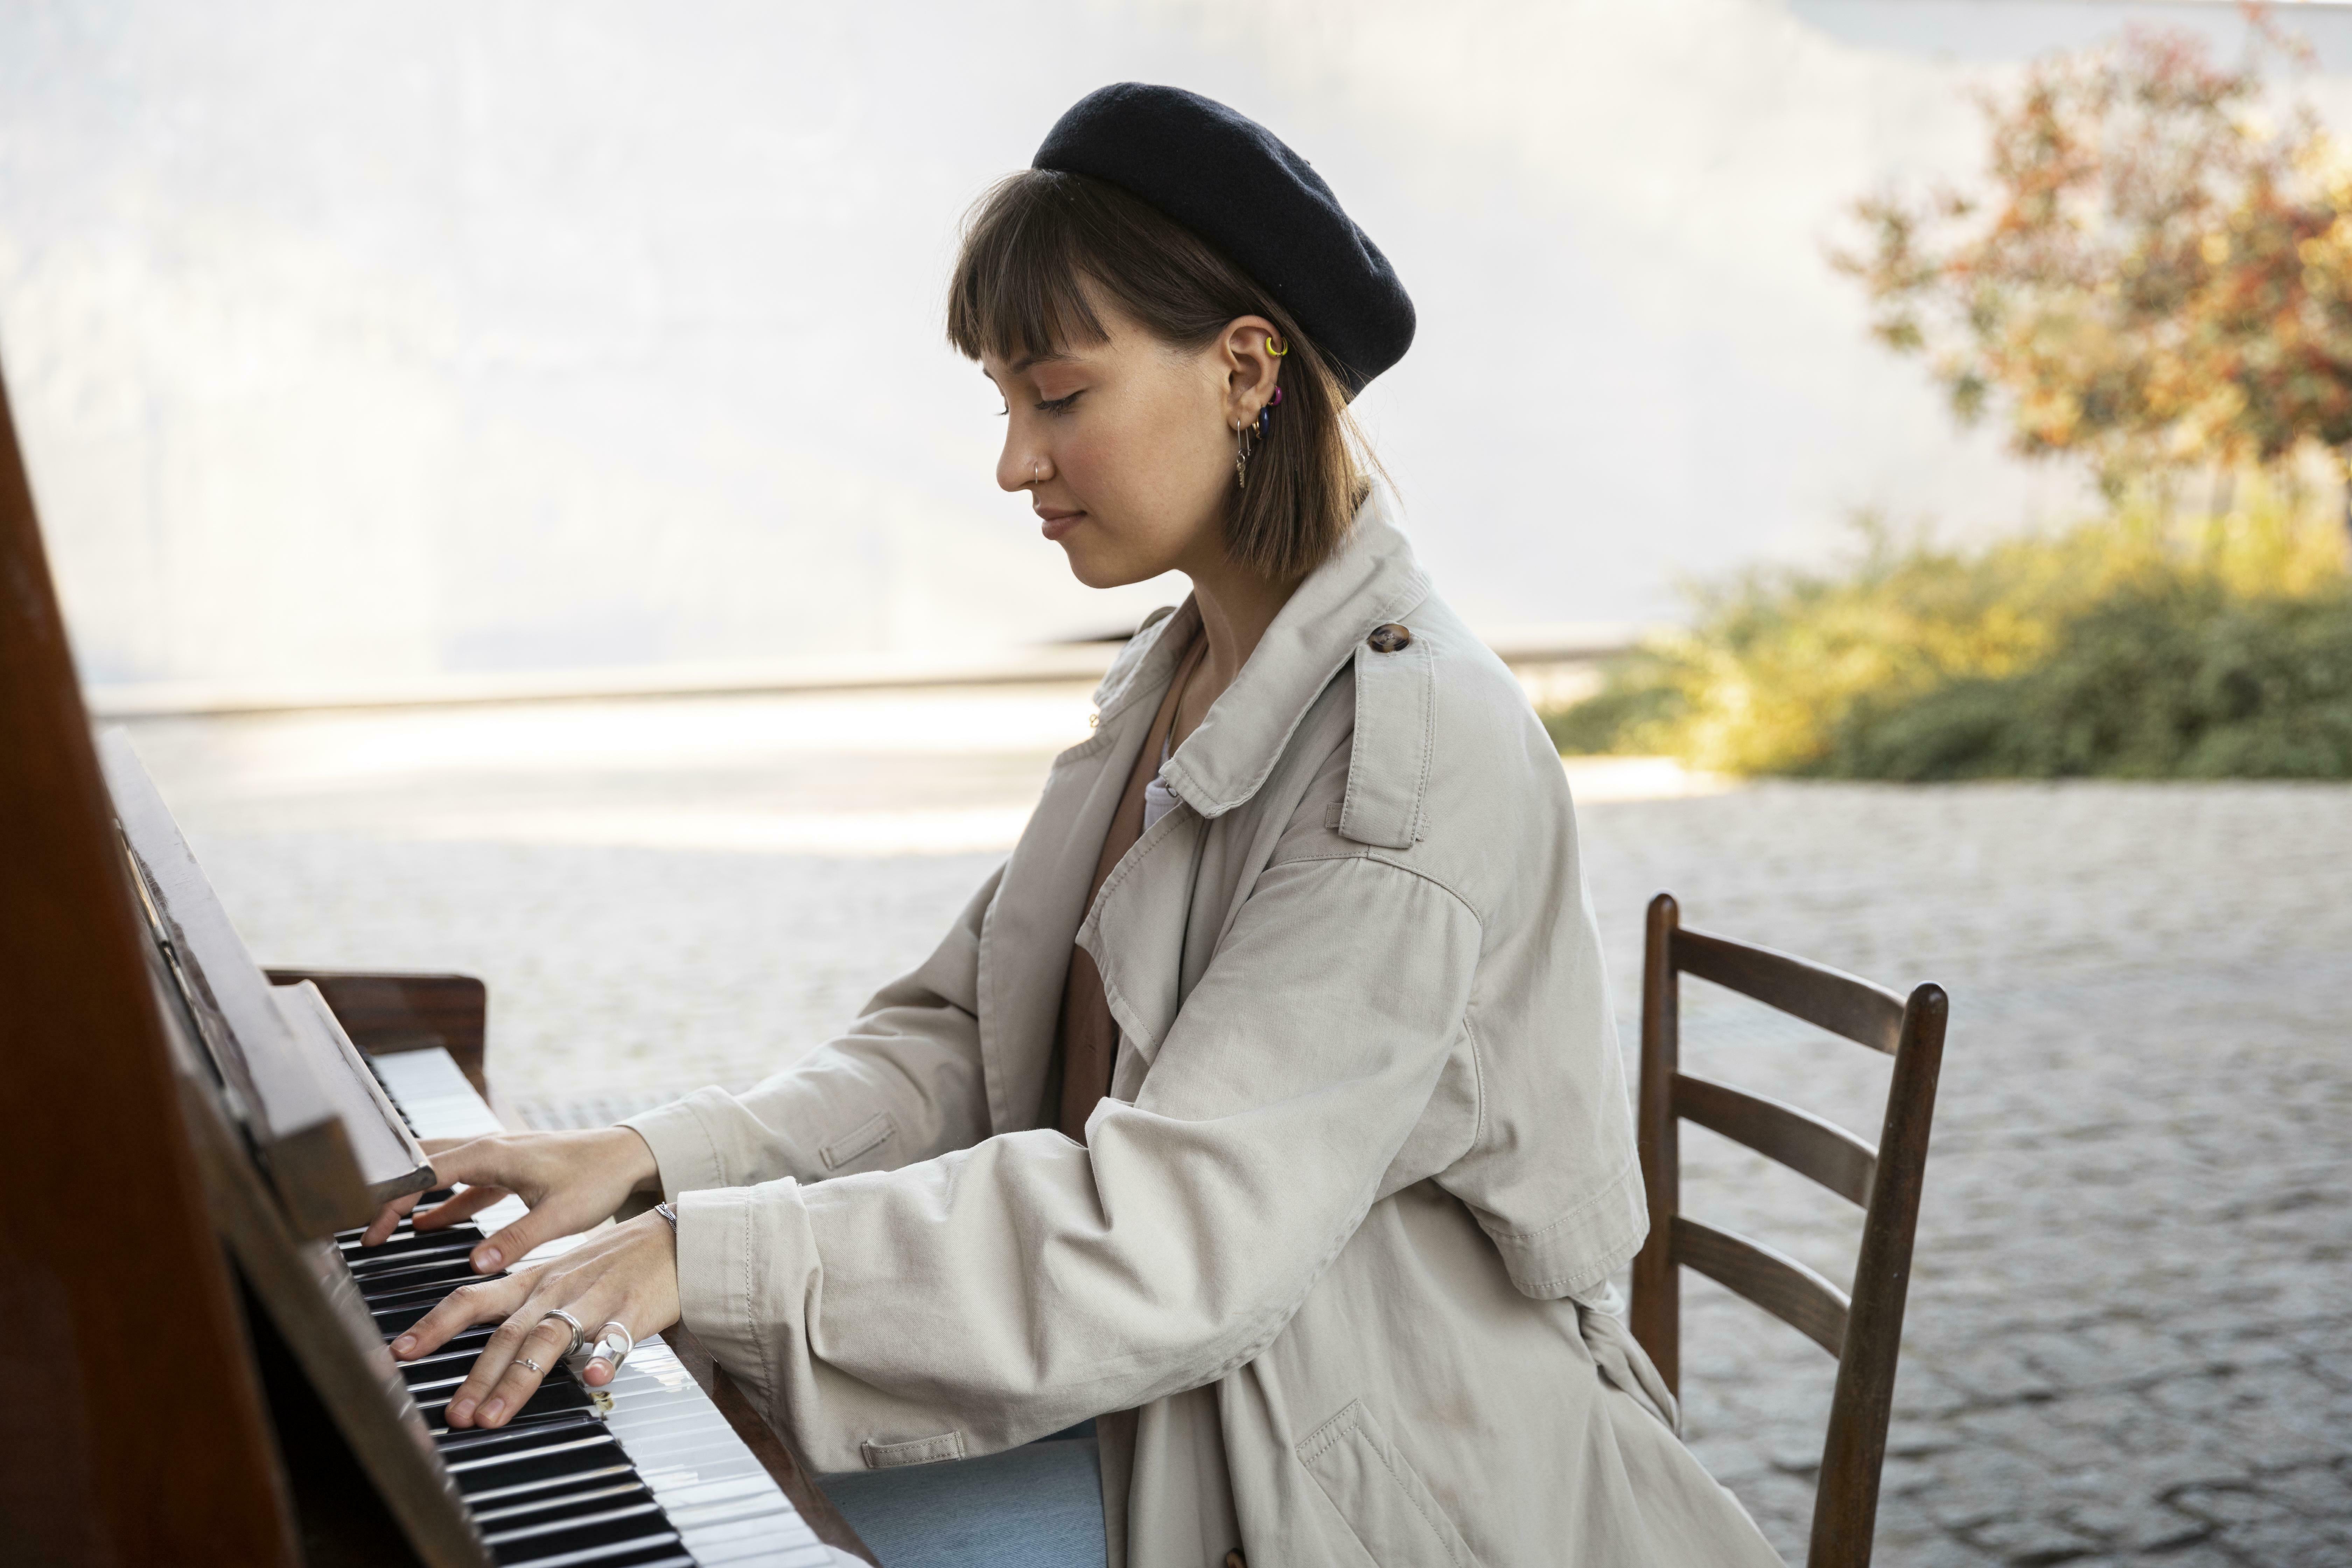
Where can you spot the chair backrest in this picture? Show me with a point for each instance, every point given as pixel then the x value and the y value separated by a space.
pixel 1865 1330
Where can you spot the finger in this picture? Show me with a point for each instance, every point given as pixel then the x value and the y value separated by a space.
pixel 468 1203
pixel 380 1229
pixel 602 1362
pixel 542 1347
pixel 439 1145
pixel 603 1365
pixel 553 1215
pixel 472 1162
pixel 497 1353
pixel 482 1302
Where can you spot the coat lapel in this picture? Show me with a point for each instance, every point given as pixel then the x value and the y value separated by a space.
pixel 1136 928
pixel 1025 937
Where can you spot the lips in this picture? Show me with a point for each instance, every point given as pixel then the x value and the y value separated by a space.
pixel 1054 525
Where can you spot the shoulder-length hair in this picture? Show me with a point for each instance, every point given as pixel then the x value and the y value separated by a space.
pixel 1033 244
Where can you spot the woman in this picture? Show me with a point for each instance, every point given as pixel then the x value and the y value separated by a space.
pixel 1266 1104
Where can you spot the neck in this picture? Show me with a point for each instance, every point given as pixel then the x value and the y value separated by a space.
pixel 1236 606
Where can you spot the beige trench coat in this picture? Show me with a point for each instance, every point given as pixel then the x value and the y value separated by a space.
pixel 1367 1142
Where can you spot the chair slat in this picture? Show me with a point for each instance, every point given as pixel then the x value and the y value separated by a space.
pixel 1843 1004
pixel 1780 1285
pixel 1798 1138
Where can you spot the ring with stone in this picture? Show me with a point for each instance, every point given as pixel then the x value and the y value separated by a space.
pixel 578 1333
pixel 525 1361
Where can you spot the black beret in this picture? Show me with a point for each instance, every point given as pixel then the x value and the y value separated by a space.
pixel 1234 184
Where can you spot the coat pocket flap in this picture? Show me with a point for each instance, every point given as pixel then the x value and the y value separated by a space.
pixel 921 1451
pixel 1379 1494
pixel 859 1141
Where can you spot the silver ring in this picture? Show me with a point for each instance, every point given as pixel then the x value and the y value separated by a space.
pixel 578 1333
pixel 613 1343
pixel 525 1361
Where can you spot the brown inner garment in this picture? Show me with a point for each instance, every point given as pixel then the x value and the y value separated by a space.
pixel 1089 1034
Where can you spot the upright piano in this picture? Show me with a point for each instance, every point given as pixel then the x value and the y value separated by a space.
pixel 190 1146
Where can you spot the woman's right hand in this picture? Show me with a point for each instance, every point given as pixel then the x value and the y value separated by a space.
pixel 570 1180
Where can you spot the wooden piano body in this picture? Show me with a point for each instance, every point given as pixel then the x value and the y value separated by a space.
pixel 195 1379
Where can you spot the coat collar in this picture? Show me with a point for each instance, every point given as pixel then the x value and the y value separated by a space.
pixel 1373 579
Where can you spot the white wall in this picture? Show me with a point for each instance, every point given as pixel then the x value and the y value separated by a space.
pixel 380 342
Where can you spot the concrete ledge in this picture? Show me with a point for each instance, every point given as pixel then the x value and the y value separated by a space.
pixel 1084 663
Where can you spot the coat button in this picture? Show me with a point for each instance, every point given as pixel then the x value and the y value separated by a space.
pixel 1390 639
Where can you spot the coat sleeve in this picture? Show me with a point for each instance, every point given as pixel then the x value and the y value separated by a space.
pixel 904 1084
pixel 987 1296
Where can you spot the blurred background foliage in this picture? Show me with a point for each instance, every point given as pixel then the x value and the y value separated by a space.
pixel 2135 644
pixel 2154 278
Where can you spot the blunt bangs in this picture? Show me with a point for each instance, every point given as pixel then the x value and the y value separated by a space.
pixel 1043 248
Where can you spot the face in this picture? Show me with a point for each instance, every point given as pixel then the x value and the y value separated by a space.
pixel 1125 446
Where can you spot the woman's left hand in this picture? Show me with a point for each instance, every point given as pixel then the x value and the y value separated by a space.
pixel 628 1276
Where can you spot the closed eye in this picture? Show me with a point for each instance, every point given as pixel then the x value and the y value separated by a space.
pixel 1060 405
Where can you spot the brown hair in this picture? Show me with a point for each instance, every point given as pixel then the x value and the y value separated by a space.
pixel 1032 244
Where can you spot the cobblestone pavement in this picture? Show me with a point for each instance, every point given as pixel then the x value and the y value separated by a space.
pixel 2128 1340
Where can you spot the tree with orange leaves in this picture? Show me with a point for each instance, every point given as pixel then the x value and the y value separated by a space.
pixel 2156 277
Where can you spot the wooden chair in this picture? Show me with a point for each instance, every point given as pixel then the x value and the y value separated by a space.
pixel 1864 1332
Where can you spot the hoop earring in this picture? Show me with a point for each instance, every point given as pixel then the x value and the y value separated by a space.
pixel 1247 436
pixel 1277 353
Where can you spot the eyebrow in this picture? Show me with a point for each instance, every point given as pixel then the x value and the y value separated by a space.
pixel 1021 364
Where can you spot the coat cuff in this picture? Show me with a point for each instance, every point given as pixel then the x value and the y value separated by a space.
pixel 685 1143
pixel 731 1243
pixel 1578 1251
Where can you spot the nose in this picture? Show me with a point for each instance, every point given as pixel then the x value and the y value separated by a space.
pixel 1022 464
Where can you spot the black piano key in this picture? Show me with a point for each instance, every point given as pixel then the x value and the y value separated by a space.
pixel 552 1461
pixel 575 1503
pixel 639 1521
pixel 549 1402
pixel 364 1265
pixel 557 1502
pixel 395 1318
pixel 442 1274
pixel 403 1222
pixel 661 1549
pixel 655 1549
pixel 464 1341
pixel 458 1351
pixel 422 1298
pixel 403 1249
pixel 587 1475
pixel 427 1369
pixel 593 1475
pixel 398 1321
pixel 406 1238
pixel 494 1439
pixel 420 1284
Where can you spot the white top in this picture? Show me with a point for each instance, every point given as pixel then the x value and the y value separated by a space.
pixel 1158 799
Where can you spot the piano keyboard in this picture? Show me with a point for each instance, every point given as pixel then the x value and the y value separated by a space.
pixel 645 1473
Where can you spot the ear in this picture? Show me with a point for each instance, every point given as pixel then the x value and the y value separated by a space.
pixel 1251 367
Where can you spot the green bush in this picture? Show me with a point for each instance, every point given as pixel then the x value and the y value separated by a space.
pixel 2131 647
pixel 2174 680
